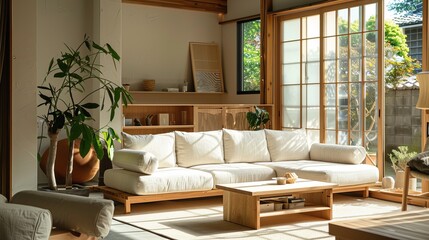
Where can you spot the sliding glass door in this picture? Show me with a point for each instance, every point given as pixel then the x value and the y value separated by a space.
pixel 330 75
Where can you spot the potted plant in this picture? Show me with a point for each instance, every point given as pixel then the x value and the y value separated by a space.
pixel 399 159
pixel 67 100
pixel 257 119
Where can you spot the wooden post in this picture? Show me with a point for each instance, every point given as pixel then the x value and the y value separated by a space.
pixel 405 191
pixel 266 5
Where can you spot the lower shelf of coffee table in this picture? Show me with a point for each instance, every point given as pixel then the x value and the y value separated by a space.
pixel 294 211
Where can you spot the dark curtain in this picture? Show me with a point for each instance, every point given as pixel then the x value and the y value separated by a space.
pixel 5 99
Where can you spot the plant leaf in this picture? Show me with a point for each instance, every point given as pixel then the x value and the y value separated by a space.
pixel 77 76
pixel 96 46
pixel 51 63
pixel 114 54
pixel 59 75
pixel 75 131
pixel 84 147
pixel 98 147
pixel 90 105
pixel 62 65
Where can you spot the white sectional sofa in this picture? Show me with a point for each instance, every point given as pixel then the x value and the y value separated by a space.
pixel 189 164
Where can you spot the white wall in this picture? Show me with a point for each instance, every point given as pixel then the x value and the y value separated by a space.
pixel 59 22
pixel 156 43
pixel 24 74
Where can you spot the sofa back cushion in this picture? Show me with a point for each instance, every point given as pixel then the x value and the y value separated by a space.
pixel 337 153
pixel 197 148
pixel 287 145
pixel 160 145
pixel 245 146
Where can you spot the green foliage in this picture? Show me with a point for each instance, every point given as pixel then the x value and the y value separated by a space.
pixel 400 157
pixel 73 71
pixel 258 118
pixel 251 55
pixel 394 36
pixel 404 6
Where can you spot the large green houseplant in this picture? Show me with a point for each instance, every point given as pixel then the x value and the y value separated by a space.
pixel 67 99
pixel 257 119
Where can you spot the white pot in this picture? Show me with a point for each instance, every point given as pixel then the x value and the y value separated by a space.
pixel 399 183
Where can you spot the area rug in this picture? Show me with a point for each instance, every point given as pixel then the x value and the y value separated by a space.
pixel 203 219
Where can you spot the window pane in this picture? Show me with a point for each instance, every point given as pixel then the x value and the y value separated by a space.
pixel 371 108
pixel 343 94
pixel 291 29
pixel 291 52
pixel 291 117
pixel 371 69
pixel 343 71
pixel 331 137
pixel 355 19
pixel 330 48
pixel 356 70
pixel 330 23
pixel 291 73
pixel 371 17
pixel 330 94
pixel 330 71
pixel 291 96
pixel 314 30
pixel 343 118
pixel 313 117
pixel 356 45
pixel 312 93
pixel 343 21
pixel 249 68
pixel 371 47
pixel 343 46
pixel 355 107
pixel 371 142
pixel 343 138
pixel 356 138
pixel 313 50
pixel 312 72
pixel 330 118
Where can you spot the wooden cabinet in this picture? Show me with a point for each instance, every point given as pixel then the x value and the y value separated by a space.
pixel 190 117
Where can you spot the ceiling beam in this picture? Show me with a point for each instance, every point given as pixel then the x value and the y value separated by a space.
pixel 217 6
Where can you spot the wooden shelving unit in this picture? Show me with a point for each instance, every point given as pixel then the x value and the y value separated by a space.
pixel 190 117
pixel 179 93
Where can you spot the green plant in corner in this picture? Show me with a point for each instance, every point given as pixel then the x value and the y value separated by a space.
pixel 68 103
pixel 257 119
pixel 400 158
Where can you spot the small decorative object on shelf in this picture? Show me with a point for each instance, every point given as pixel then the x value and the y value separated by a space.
pixel 148 85
pixel 184 117
pixel 137 122
pixel 291 177
pixel 128 121
pixel 148 119
pixel 163 119
pixel 126 86
pixel 388 183
pixel 185 87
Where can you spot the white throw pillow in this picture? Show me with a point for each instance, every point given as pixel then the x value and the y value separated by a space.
pixel 337 153
pixel 197 148
pixel 287 145
pixel 245 146
pixel 136 161
pixel 160 145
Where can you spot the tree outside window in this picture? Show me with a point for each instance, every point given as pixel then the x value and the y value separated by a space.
pixel 249 51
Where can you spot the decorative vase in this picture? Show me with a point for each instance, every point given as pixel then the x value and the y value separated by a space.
pixel 399 183
pixel 148 85
pixel 388 183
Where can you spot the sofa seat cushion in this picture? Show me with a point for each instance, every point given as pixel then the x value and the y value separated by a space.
pixel 196 148
pixel 342 174
pixel 151 143
pixel 237 172
pixel 164 180
pixel 245 146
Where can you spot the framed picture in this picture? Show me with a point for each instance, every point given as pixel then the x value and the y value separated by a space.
pixel 206 67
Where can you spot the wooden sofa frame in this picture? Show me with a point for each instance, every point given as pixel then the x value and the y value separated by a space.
pixel 127 199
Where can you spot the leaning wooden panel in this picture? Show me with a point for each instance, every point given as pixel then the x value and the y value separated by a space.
pixel 206 67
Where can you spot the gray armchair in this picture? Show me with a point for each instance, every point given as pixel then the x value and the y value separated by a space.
pixel 32 214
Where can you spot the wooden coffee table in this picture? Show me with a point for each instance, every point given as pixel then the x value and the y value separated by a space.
pixel 241 201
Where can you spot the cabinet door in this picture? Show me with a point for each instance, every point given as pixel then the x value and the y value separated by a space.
pixel 235 118
pixel 209 119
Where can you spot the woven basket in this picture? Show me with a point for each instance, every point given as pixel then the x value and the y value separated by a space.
pixel 148 85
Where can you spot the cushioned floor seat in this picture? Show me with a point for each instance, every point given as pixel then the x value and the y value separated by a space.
pixel 343 174
pixel 237 172
pixel 165 180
